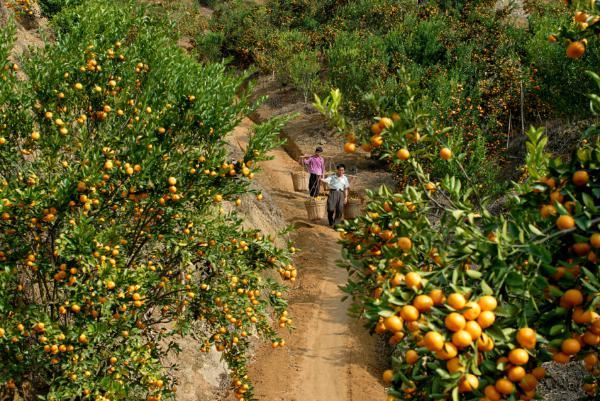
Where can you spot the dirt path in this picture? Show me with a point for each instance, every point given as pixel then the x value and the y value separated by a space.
pixel 329 357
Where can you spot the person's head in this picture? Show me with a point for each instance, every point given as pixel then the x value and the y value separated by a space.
pixel 318 151
pixel 340 169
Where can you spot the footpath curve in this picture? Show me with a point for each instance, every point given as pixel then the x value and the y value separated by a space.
pixel 329 356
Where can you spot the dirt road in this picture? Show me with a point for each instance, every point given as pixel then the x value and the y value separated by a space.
pixel 329 357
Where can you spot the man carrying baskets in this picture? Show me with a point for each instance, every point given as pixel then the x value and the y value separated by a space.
pixel 316 168
pixel 338 194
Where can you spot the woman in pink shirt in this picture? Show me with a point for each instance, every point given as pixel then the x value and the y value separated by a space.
pixel 316 168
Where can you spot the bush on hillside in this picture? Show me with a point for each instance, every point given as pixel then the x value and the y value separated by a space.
pixel 113 238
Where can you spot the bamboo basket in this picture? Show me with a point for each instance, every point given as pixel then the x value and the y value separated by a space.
pixel 352 208
pixel 300 181
pixel 316 208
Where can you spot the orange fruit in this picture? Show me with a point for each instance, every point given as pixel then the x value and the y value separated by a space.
pixel 581 248
pixel 462 339
pixel 412 280
pixel 580 178
pixel 486 319
pixel 423 303
pixel 404 243
pixel 468 383
pixel 403 154
pixel 437 296
pixel 560 357
pixel 487 303
pixel 575 50
pixel 485 343
pixel 582 317
pixel 388 376
pixel 595 240
pixel 376 129
pixel 453 366
pixel 556 196
pixel 455 321
pixel 409 313
pixel 518 356
pixel 491 393
pixel 456 301
pixel 449 351
pixel 565 222
pixel 505 386
pixel 539 372
pixel 446 154
pixel 529 382
pixel 393 323
pixel 376 141
pixel 526 338
pixel 547 211
pixel 591 359
pixel 516 373
pixel 590 338
pixel 433 341
pixel 411 357
pixel 474 329
pixel 385 122
pixel 473 311
pixel 349 147
pixel 572 297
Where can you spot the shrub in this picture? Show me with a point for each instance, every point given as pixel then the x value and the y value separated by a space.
pixel 112 236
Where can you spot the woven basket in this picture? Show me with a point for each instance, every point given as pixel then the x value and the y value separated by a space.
pixel 352 208
pixel 300 181
pixel 316 208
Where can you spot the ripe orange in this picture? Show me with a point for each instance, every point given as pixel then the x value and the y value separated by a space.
pixel 433 341
pixel 580 178
pixel 591 359
pixel 446 154
pixel 526 338
pixel 376 129
pixel 437 296
pixel 423 303
pixel 349 147
pixel 409 313
pixel 518 356
pixel 468 383
pixel 385 122
pixel 516 373
pixel 492 394
pixel 449 351
pixel 486 319
pixel 411 357
pixel 403 154
pixel 595 240
pixel 474 329
pixel 590 338
pixel 412 280
pixel 455 321
pixel 529 382
pixel 572 297
pixel 376 141
pixel 565 222
pixel 575 50
pixel 581 248
pixel 393 323
pixel 388 376
pixel 462 339
pixel 453 366
pixel 560 357
pixel 473 311
pixel 404 243
pixel 505 386
pixel 547 211
pixel 485 343
pixel 456 301
pixel 539 372
pixel 487 303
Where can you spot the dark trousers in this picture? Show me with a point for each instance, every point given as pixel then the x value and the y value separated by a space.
pixel 335 207
pixel 313 185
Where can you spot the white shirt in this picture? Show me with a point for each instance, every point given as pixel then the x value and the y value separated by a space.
pixel 336 182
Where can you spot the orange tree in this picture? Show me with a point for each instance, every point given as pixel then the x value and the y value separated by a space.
pixel 113 238
pixel 473 302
